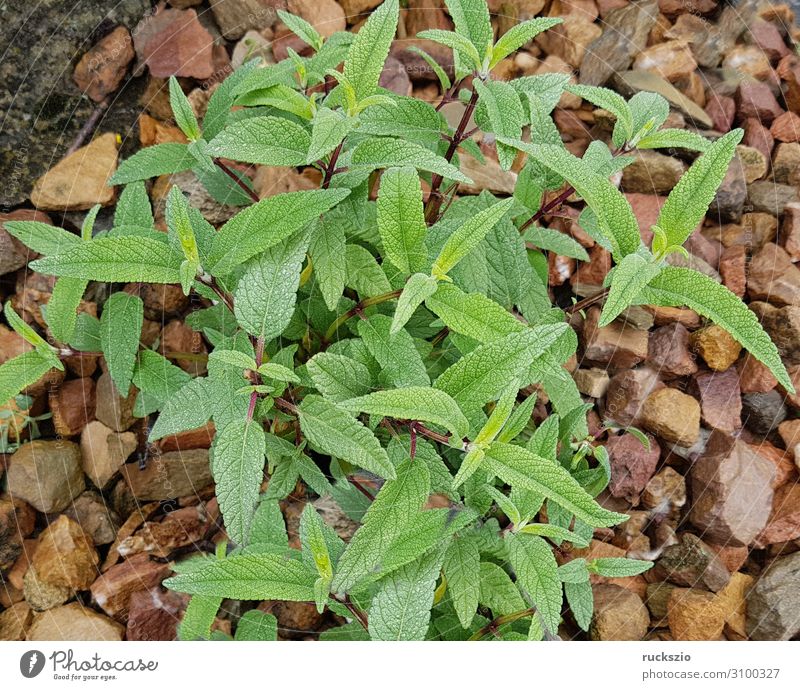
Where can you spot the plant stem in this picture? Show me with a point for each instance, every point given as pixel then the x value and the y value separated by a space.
pixel 330 170
pixel 285 406
pixel 253 394
pixel 434 200
pixel 363 304
pixel 358 614
pixel 492 626
pixel 587 301
pixel 238 180
pixel 549 206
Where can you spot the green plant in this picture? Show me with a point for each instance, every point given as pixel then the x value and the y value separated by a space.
pixel 16 422
pixel 401 339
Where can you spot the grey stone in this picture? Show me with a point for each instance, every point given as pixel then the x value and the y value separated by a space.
pixel 773 605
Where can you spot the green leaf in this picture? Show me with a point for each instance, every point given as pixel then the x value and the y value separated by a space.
pixel 521 468
pixel 300 27
pixel 363 273
pixel 674 138
pixel 518 420
pixel 266 140
pixel 189 408
pixel 338 377
pixel 221 101
pixel 556 242
pixel 198 618
pixel 468 236
pixel 498 592
pixel 60 312
pixel 461 562
pixel 461 46
pixel 581 602
pixel 612 102
pixel 257 626
pixel 518 35
pixel 249 576
pixel 376 153
pixel 471 19
pixel 684 287
pixel 401 610
pixel 472 314
pixel 268 526
pixel 329 128
pixel 483 374
pixel 233 358
pixel 650 111
pixel 400 360
pixel 312 531
pixel 417 289
pixel 441 75
pixel 120 329
pixel 21 371
pixel 133 207
pixel 618 567
pixel 182 111
pixel 627 281
pixel 158 377
pixel 499 111
pixel 469 465
pixel 237 462
pixel 115 260
pixel 688 201
pixel 401 219
pixel 265 298
pixel 278 372
pixel 537 572
pixel 266 223
pixel 335 432
pixel 394 508
pixel 180 226
pixel 556 533
pixel 159 159
pixel 614 214
pixel 326 250
pixel 500 414
pixel 41 237
pixel 369 50
pixel 420 403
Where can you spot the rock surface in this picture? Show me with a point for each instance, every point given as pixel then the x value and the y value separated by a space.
pixel 74 622
pixel 619 614
pixel 46 474
pixel 773 604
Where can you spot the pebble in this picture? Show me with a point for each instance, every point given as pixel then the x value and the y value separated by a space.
pixel 326 16
pixel 15 621
pixel 756 100
pixel 619 614
pixel 728 203
pixel 592 382
pixel 691 563
pixel 758 136
pixel 786 163
pixel 731 486
pixel 46 474
pixel 632 465
pixel 753 162
pixel 763 412
pixel 95 516
pixel 171 475
pixel 786 127
pixel 627 392
pixel 672 415
pixel 652 173
pixel 695 615
pixel 668 351
pixel 174 42
pixel 768 197
pixel 716 346
pixel 773 604
pixel 102 68
pixel 720 400
pixel 74 622
pixel 104 451
pixel 73 406
pixel 671 60
pixel 41 595
pixel 618 345
pixel 112 409
pixel 154 615
pixel 773 277
pixel 784 522
pixel 113 589
pixel 65 555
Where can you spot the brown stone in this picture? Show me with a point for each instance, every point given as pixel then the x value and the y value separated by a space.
pixel 171 475
pixel 187 440
pixel 783 326
pixel 618 614
pixel 720 400
pixel 66 555
pixel 784 521
pixel 733 600
pixel 154 615
pixel 632 465
pixel 789 71
pixel 74 622
pixel 755 100
pixel 749 60
pixel 731 489
pixel 663 316
pixel 179 528
pixel 41 595
pixel 295 618
pixel 73 406
pixel 753 162
pixel 15 621
pixel 112 590
pixel 668 351
pixel 733 269
pixel 758 136
pixel 152 131
pixel 692 563
pixel 353 8
pixel 734 557
pixel 177 337
pixel 592 273
pixel 672 415
pixel 174 42
pixel 652 173
pixel 618 344
pixel 13 254
pixel 80 180
pixel 627 392
pixel 102 68
pixel 104 452
pixel 790 230
pixel 160 301
pixel 786 127
pixel 716 346
pixel 326 16
pixel 782 459
pixel 46 474
pixel 773 277
pixel 592 382
pixel 695 615
pixel 16 522
pixel 768 38
pixel 671 60
pixel 786 165
pixel 721 110
pixel 113 410
pixel 95 516
pixel 657 598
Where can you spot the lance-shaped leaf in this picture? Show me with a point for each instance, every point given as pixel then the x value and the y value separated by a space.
pixel 395 506
pixel 200 614
pixel 612 102
pixel 338 377
pixel 461 562
pixel 180 226
pixel 329 127
pixel 469 236
pixel 518 35
pixel 369 50
pixel 420 403
pixel 182 111
pixel 555 241
pixel 580 598
pixel 336 432
pixel 401 219
pixel 189 408
pixel 401 610
pixel 265 298
pixel 61 310
pixel 266 223
pixel 498 592
pixel 257 626
pixel 249 576
pixel 481 375
pixel 376 153
pixel 537 572
pixel 521 468
pixel 41 237
pixel 219 105
pixel 159 159
pixel 133 207
pixel 499 110
pixel 674 138
pixel 120 329
pixel 612 210
pixel 266 140
pixel 688 201
pixel 627 281
pixel 237 462
pixel 400 360
pixel 21 371
pixel 465 52
pixel 417 289
pixel 684 287
pixel 301 28
pixel 115 260
pixel 326 249
pixel 619 567
pixel 471 19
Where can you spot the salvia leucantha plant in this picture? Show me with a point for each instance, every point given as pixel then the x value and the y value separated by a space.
pixel 385 351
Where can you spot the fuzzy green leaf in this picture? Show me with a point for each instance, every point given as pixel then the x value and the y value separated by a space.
pixel 257 626
pixel 369 50
pixel 327 247
pixel 329 127
pixel 266 140
pixel 401 362
pixel 401 219
pixel 301 28
pixel 41 237
pixel 472 314
pixel 120 329
pixel 159 159
pixel 335 432
pixel 557 242
pixel 338 377
pixel 499 111
pixel 619 567
pixel 675 287
pixel 21 371
pixel 471 19
pixel 581 602
pixel 182 111
pixel 627 281
pixel 133 207
pixel 198 618
pixel 376 153
pixel 674 138
pixel 61 310
pixel 461 46
pixel 612 102
pixel 461 562
pixel 417 289
pixel 518 35
pixel 189 408
pixel 537 572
